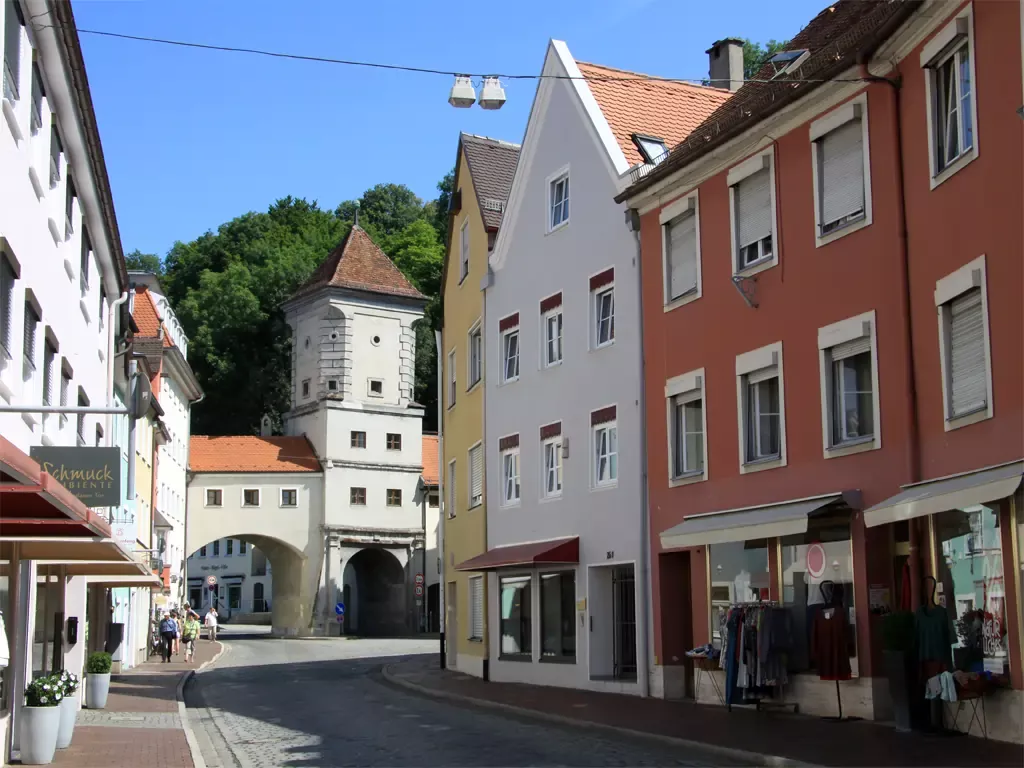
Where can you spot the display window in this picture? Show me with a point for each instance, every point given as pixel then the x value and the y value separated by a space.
pixel 739 574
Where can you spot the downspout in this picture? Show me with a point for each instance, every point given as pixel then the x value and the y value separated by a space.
pixel 442 505
pixel 643 651
pixel 188 454
pixel 111 313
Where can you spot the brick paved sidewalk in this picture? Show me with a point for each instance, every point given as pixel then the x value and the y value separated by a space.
pixel 797 738
pixel 140 726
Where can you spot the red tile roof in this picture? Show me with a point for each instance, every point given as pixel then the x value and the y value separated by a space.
pixel 431 474
pixel 146 316
pixel 247 453
pixel 358 264
pixel 661 108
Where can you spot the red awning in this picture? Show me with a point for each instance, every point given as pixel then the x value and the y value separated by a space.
pixel 551 552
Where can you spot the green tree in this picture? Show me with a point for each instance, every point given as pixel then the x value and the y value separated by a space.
pixel 143 262
pixel 756 54
pixel 389 208
pixel 437 210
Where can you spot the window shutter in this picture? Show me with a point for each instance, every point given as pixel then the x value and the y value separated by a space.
pixel 6 300
pixel 967 353
pixel 49 356
pixel 476 471
pixel 30 333
pixel 753 208
pixel 682 254
pixel 476 588
pixel 851 348
pixel 842 173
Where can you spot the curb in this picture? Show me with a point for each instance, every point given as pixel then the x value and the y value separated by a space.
pixel 179 694
pixel 726 753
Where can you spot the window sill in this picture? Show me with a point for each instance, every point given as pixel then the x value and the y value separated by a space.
pixel 510 504
pixel 760 465
pixel 970 417
pixel 10 112
pixel 687 298
pixel 955 167
pixel 509 381
pixel 521 657
pixel 548 366
pixel 474 506
pixel 604 487
pixel 549 499
pixel 599 347
pixel 850 447
pixel 847 229
pixel 557 227
pixel 557 659
pixel 37 184
pixel 475 640
pixel 688 479
pixel 474 385
pixel 756 267
pixel 463 279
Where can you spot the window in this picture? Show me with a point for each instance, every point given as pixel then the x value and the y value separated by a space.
pixel 99 436
pixel 251 497
pixel 559 201
pixel 49 360
pixel 739 574
pixel 840 166
pixel 558 616
pixel 516 601
pixel 29 347
pixel 214 497
pixel 38 93
pixel 358 439
pixel 451 489
pixel 375 388
pixel 433 500
pixel 103 305
pixel 510 355
pixel 83 401
pixel 13 22
pixel 394 441
pixel 553 337
pixel 510 476
pixel 305 387
pixel 476 475
pixel 652 149
pixel 394 497
pixel 230 544
pixel 476 607
pixel 751 196
pixel 964 345
pixel 242 546
pixel 760 400
pixel 357 497
pixel 65 387
pixel 56 151
pixel 682 249
pixel 216 548
pixel 954 131
pixel 605 446
pixel 289 497
pixel 476 356
pixel 464 251
pixel 603 315
pixel 551 482
pixel 849 385
pixel 202 551
pixel 687 435
pixel 451 378
pixel 7 278
pixel 69 213
pixel 332 385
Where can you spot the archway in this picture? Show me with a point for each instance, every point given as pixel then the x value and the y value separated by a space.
pixel 376 589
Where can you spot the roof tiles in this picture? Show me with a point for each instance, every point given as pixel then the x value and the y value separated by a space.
pixel 492 164
pixel 249 453
pixel 431 474
pixel 146 316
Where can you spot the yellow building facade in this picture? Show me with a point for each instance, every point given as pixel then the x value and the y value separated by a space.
pixel 483 176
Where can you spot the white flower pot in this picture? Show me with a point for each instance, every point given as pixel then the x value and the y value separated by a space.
pixel 97 686
pixel 68 714
pixel 37 732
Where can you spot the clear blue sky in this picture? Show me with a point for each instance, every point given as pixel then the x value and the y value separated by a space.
pixel 194 138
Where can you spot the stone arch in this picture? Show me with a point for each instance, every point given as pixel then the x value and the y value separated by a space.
pixel 375 593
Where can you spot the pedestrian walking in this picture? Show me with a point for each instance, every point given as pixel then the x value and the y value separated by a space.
pixel 211 623
pixel 168 631
pixel 177 632
pixel 189 633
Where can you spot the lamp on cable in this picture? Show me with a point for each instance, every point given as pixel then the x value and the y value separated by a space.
pixel 492 95
pixel 463 95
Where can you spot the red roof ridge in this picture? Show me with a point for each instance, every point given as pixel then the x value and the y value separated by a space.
pixel 252 453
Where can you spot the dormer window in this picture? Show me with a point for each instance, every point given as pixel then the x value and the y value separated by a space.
pixel 786 62
pixel 651 148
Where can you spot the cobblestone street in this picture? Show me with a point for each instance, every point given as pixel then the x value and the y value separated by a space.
pixel 324 703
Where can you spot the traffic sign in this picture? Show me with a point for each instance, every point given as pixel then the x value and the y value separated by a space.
pixel 419 590
pixel 339 609
pixel 816 560
pixel 341 618
pixel 419 578
pixel 211 580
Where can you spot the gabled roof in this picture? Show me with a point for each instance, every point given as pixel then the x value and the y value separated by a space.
pixel 431 473
pixel 359 265
pixel 664 109
pixel 492 164
pixel 834 39
pixel 249 453
pixel 147 318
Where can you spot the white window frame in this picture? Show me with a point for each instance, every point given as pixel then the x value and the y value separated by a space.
pixel 352 503
pixel 595 431
pixel 464 251
pixel 452 484
pixel 544 319
pixel 855 109
pixel 553 444
pixel 387 501
pixel 511 455
pixel 595 316
pixel 763 159
pixel 259 497
pixel 969 276
pixel 750 363
pixel 549 209
pixel 452 380
pixel 281 498
pixel 685 388
pixel 475 329
pixel 477 608
pixel 206 498
pixel 505 337
pixel 830 336
pixel 369 387
pixel 959 31
pixel 472 503
pixel 686 203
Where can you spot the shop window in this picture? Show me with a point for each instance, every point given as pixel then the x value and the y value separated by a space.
pixel 739 574
pixel 824 553
pixel 971 583
pixel 558 616
pixel 516 609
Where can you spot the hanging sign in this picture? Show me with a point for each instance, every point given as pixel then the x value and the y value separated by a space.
pixel 93 475
pixel 815 560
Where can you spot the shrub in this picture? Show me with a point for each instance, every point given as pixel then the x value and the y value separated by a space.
pixel 99 663
pixel 44 692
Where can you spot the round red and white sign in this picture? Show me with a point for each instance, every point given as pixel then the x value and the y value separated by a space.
pixel 211 579
pixel 815 560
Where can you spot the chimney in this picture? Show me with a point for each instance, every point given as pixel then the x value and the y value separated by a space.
pixel 726 60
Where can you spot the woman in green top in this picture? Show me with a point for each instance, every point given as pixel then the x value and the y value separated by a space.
pixel 189 633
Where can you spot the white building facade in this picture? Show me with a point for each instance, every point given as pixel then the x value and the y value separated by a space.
pixel 243 591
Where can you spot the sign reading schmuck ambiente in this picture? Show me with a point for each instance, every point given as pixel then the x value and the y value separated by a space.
pixel 91 474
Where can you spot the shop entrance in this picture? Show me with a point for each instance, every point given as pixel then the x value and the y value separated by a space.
pixel 624 622
pixel 612 608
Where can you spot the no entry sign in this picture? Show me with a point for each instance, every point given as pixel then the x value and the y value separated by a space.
pixel 815 560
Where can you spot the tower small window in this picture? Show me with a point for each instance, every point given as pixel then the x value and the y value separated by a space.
pixel 305 388
pixel 332 385
pixel 376 387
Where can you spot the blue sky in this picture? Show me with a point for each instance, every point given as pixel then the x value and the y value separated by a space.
pixel 194 138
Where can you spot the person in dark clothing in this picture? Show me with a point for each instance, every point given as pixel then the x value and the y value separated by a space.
pixel 168 633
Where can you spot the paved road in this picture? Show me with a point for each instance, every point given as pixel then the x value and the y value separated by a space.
pixel 270 702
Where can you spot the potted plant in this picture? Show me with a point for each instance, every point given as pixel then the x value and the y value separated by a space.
pixel 97 679
pixel 898 633
pixel 40 721
pixel 68 708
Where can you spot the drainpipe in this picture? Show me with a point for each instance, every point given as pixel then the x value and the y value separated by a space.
pixel 111 314
pixel 442 505
pixel 643 651
pixel 184 539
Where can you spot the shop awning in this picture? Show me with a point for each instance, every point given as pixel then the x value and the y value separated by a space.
pixel 551 552
pixel 784 518
pixel 955 492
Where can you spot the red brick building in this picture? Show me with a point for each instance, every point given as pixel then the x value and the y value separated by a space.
pixel 832 272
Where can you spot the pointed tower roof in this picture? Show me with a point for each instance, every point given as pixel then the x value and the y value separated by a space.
pixel 359 265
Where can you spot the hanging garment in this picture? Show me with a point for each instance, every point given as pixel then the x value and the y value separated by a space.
pixel 905 599
pixel 829 644
pixel 934 636
pixel 730 659
pixel 941 687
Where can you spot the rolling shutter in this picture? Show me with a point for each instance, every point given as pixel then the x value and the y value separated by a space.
pixel 851 348
pixel 31 319
pixel 842 173
pixel 49 357
pixel 476 608
pixel 682 254
pixel 753 208
pixel 6 302
pixel 476 475
pixel 969 390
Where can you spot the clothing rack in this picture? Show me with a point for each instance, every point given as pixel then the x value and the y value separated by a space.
pixel 778 689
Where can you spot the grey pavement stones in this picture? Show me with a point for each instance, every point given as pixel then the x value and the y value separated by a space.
pixel 102 717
